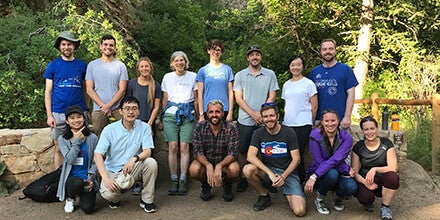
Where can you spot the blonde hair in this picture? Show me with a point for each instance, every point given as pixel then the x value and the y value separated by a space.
pixel 151 85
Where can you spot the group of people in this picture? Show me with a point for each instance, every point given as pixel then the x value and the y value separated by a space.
pixel 197 109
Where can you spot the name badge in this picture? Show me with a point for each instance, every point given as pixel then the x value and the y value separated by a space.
pixel 79 161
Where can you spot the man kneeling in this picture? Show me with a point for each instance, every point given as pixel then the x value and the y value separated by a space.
pixel 126 145
pixel 215 142
pixel 278 147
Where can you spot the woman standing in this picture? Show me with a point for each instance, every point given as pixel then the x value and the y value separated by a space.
pixel 214 81
pixel 78 174
pixel 375 163
pixel 301 100
pixel 147 90
pixel 179 95
pixel 329 147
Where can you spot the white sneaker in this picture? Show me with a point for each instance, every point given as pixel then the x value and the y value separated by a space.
pixel 321 207
pixel 68 208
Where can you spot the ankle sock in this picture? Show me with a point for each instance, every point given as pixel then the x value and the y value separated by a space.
pixel 182 177
pixel 174 177
pixel 388 206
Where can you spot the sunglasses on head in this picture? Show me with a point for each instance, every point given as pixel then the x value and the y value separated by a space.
pixel 271 104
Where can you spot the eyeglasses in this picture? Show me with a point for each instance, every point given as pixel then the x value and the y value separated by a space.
pixel 128 108
pixel 266 104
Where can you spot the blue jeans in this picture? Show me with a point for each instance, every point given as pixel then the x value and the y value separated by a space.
pixel 333 181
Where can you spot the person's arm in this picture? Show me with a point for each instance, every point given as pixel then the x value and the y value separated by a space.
pixel 200 100
pixel 154 111
pixel 69 150
pixel 253 159
pixel 296 159
pixel 356 166
pixel 256 116
pixel 346 121
pixel 314 103
pixel 272 95
pixel 48 103
pixel 391 166
pixel 129 165
pixel 164 99
pixel 122 86
pixel 90 88
pixel 230 102
pixel 196 101
pixel 338 156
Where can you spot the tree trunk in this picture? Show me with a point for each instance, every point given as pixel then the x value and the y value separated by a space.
pixel 364 41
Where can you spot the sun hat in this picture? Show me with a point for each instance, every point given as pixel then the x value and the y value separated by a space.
pixel 66 35
pixel 124 181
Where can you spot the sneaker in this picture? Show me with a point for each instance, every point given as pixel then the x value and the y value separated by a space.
pixel 385 213
pixel 369 208
pixel 182 189
pixel 262 203
pixel 68 208
pixel 148 207
pixel 321 206
pixel 205 195
pixel 114 205
pixel 173 187
pixel 242 185
pixel 337 203
pixel 137 189
pixel 228 196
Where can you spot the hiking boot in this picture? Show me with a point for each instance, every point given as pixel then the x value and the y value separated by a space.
pixel 227 191
pixel 385 213
pixel 262 203
pixel 369 208
pixel 137 189
pixel 114 205
pixel 206 192
pixel 321 207
pixel 148 207
pixel 173 187
pixel 68 208
pixel 242 185
pixel 182 189
pixel 337 203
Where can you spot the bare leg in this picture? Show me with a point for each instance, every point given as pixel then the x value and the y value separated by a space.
pixel 184 158
pixel 388 195
pixel 172 157
pixel 297 204
pixel 254 176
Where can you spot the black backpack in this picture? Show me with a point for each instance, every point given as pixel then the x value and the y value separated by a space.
pixel 44 189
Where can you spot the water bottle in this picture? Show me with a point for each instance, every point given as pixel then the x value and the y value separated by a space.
pixel 395 121
pixel 385 116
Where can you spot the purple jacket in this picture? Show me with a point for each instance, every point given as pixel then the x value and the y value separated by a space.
pixel 320 151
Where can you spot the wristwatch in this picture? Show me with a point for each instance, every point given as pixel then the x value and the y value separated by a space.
pixel 137 158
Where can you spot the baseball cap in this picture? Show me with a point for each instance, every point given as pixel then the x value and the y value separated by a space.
pixel 253 48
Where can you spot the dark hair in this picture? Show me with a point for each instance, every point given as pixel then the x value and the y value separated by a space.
pixel 107 37
pixel 326 111
pixel 69 134
pixel 267 106
pixel 294 58
pixel 213 43
pixel 366 119
pixel 128 99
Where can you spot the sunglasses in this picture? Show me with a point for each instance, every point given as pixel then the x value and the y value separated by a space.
pixel 266 104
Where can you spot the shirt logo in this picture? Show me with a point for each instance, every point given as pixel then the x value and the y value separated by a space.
pixel 273 149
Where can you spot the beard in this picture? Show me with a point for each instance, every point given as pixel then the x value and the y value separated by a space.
pixel 328 58
pixel 215 122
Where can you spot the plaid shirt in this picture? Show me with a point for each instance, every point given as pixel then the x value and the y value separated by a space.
pixel 215 149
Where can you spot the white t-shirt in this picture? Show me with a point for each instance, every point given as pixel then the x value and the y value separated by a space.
pixel 298 109
pixel 180 89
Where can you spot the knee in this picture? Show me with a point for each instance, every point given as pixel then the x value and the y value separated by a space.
pixel 299 211
pixel 150 163
pixel 391 180
pixel 195 170
pixel 332 176
pixel 172 147
pixel 249 170
pixel 365 196
pixel 233 170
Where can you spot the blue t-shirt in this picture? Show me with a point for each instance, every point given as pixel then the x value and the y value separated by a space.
pixel 80 167
pixel 68 78
pixel 215 84
pixel 332 85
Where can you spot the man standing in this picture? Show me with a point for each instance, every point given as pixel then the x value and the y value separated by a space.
pixel 253 86
pixel 335 82
pixel 64 87
pixel 277 147
pixel 126 146
pixel 106 82
pixel 215 142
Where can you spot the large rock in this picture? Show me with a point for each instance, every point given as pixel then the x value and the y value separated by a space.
pixel 38 141
pixel 25 178
pixel 14 149
pixel 417 178
pixel 7 139
pixel 20 164
pixel 45 160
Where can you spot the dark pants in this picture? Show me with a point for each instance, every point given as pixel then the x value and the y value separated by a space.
pixel 75 186
pixel 389 180
pixel 244 137
pixel 333 181
pixel 302 134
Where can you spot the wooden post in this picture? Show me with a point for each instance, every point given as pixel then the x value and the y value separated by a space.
pixel 435 132
pixel 375 106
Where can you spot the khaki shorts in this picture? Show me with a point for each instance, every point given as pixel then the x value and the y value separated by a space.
pixel 60 127
pixel 172 131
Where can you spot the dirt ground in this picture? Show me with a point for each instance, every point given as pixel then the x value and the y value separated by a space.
pixel 416 199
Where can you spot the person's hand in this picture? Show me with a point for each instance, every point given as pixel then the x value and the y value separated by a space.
pixel 89 185
pixel 128 167
pixel 346 122
pixel 352 172
pixel 79 135
pixel 308 188
pixel 370 176
pixel 210 174
pixel 371 186
pixel 51 122
pixel 256 116
pixel 201 118
pixel 111 184
pixel 229 116
pixel 218 175
pixel 105 109
pixel 279 181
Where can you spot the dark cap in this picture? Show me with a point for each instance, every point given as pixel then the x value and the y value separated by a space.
pixel 253 48
pixel 67 35
pixel 74 109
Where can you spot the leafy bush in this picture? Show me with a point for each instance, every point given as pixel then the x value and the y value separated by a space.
pixel 7 186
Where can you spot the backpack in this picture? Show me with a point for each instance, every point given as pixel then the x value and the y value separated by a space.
pixel 44 189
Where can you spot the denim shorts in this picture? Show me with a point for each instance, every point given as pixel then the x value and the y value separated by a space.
pixel 291 186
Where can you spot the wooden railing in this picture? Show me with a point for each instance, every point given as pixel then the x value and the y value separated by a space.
pixel 374 102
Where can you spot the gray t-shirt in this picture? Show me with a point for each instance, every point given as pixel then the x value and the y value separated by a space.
pixel 255 90
pixel 106 78
pixel 369 159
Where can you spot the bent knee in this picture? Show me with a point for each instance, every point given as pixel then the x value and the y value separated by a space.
pixel 391 180
pixel 249 170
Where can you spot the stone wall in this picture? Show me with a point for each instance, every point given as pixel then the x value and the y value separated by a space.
pixel 28 153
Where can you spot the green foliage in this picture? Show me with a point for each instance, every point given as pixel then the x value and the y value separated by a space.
pixel 419 139
pixel 7 186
